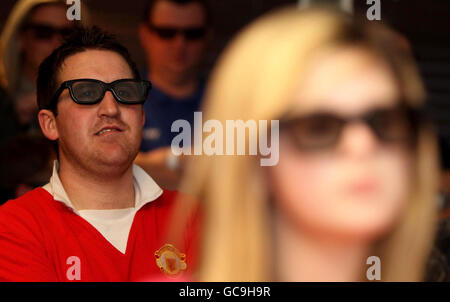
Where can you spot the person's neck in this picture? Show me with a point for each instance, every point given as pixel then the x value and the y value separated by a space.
pixel 179 88
pixel 304 257
pixel 90 191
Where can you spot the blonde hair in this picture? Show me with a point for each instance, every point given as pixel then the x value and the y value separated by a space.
pixel 255 79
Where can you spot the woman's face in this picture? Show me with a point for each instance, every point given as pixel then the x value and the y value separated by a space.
pixel 357 188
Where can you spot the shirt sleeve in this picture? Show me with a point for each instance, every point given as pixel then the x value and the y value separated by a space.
pixel 23 256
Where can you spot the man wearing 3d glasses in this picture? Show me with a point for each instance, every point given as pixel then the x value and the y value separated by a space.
pixel 100 218
pixel 173 34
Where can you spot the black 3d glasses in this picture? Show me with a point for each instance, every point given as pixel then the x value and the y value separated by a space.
pixel 91 91
pixel 322 130
pixel 168 32
pixel 47 32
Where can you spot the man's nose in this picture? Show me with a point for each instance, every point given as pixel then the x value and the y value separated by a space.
pixel 108 106
pixel 56 41
pixel 179 40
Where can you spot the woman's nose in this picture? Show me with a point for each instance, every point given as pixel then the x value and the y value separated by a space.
pixel 358 140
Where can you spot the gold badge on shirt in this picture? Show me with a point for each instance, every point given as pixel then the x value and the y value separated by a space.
pixel 170 261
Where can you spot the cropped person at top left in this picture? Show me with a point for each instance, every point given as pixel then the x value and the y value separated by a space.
pixel 32 31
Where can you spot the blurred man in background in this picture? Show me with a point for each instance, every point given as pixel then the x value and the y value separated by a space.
pixel 173 34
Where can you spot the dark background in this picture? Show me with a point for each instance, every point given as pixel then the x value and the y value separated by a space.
pixel 426 24
pixel 122 17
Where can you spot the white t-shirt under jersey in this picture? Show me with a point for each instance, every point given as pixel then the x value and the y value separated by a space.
pixel 114 224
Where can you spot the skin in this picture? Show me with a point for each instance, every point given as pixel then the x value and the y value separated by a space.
pixel 95 169
pixel 334 204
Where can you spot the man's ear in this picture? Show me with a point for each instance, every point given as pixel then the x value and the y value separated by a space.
pixel 47 120
pixel 209 36
pixel 21 41
pixel 144 36
pixel 143 116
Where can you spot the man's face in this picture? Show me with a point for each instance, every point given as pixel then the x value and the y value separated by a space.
pixel 174 58
pixel 79 127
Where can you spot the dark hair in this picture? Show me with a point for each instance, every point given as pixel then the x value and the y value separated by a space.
pixel 204 3
pixel 81 39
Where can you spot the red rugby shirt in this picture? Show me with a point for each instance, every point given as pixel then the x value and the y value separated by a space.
pixel 44 240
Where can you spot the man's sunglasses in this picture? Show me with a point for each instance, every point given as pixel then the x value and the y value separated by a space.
pixel 47 32
pixel 168 32
pixel 91 91
pixel 322 130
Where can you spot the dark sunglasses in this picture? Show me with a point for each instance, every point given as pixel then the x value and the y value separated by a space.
pixel 47 32
pixel 91 91
pixel 322 130
pixel 168 32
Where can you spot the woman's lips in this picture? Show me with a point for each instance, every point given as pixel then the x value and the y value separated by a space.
pixel 368 186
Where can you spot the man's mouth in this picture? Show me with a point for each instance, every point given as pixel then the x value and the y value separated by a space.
pixel 108 129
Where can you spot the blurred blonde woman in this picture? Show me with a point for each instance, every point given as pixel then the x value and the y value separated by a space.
pixel 357 168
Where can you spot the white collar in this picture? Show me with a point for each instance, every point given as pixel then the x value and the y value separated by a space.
pixel 145 188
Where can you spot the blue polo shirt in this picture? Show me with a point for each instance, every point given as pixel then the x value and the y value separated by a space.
pixel 161 110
